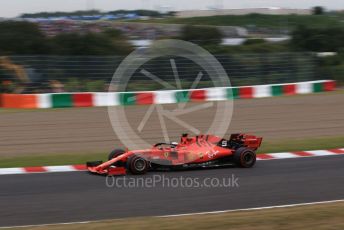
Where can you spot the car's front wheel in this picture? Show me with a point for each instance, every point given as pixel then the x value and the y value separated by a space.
pixel 244 157
pixel 115 153
pixel 137 165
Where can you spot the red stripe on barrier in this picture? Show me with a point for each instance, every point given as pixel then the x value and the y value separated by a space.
pixel 144 98
pixel 338 151
pixel 329 85
pixel 197 95
pixel 26 101
pixel 82 100
pixel 289 89
pixel 264 156
pixel 302 154
pixel 79 167
pixel 246 92
pixel 35 169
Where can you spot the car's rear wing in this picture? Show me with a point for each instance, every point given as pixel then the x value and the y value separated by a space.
pixel 249 141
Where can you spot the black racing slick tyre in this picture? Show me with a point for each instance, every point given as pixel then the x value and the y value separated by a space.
pixel 115 153
pixel 137 165
pixel 244 157
pixel 93 163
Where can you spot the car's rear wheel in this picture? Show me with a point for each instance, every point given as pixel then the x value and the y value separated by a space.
pixel 137 165
pixel 244 157
pixel 115 153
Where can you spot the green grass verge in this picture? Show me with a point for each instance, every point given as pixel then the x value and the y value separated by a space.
pixel 81 158
pixel 51 159
pixel 302 144
pixel 313 217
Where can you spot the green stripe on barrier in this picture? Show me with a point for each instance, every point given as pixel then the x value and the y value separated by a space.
pixel 277 90
pixel 232 93
pixel 61 100
pixel 127 99
pixel 317 87
pixel 182 96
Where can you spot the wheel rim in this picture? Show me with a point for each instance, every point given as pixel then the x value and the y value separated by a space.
pixel 248 158
pixel 140 164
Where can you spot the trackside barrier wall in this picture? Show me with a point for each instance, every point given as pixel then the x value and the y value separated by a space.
pixel 60 100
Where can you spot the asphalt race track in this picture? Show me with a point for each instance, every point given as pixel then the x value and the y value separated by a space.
pixel 79 196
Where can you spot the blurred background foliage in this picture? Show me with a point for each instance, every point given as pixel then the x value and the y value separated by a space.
pixel 256 61
pixel 25 38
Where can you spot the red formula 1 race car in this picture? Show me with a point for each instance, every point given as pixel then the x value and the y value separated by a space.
pixel 192 152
